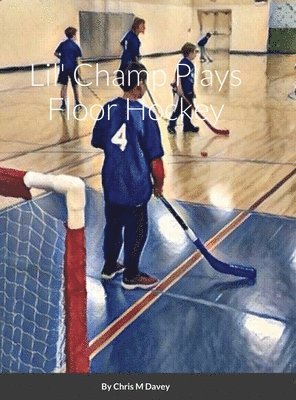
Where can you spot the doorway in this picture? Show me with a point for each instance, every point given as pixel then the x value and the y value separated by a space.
pixel 218 22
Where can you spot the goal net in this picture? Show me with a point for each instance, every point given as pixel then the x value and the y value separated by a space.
pixel 42 277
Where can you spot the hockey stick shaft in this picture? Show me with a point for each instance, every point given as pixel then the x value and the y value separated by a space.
pixel 207 55
pixel 213 129
pixel 218 265
pixel 154 104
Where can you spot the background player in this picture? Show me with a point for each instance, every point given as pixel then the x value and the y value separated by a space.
pixel 68 52
pixel 131 45
pixel 203 54
pixel 184 90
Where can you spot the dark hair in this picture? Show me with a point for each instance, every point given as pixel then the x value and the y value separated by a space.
pixel 137 22
pixel 134 73
pixel 70 32
pixel 187 48
pixel 209 34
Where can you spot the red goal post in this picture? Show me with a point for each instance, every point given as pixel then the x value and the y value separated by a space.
pixel 15 183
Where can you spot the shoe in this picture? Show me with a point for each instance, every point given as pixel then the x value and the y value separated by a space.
pixel 171 130
pixel 78 107
pixel 194 129
pixel 108 273
pixel 141 281
pixel 63 107
pixel 202 60
pixel 210 60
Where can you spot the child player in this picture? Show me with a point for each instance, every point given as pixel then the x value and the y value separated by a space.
pixel 203 54
pixel 68 52
pixel 129 135
pixel 131 46
pixel 184 90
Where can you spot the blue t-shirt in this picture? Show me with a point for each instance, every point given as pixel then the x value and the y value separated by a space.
pixel 131 47
pixel 130 138
pixel 69 52
pixel 186 73
pixel 203 41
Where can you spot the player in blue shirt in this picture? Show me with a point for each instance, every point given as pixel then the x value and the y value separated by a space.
pixel 131 46
pixel 68 52
pixel 183 89
pixel 203 55
pixel 130 137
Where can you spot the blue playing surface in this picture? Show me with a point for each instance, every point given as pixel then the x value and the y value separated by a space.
pixel 206 322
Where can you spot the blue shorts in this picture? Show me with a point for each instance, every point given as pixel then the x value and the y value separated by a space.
pixel 65 75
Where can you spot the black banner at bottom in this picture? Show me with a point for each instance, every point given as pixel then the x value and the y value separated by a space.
pixel 148 386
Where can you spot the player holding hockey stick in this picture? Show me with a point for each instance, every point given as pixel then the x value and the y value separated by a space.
pixel 184 87
pixel 203 54
pixel 130 137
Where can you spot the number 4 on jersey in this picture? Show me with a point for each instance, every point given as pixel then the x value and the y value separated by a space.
pixel 120 137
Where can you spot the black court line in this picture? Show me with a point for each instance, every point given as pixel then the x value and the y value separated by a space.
pixel 24 153
pixel 272 190
pixel 72 165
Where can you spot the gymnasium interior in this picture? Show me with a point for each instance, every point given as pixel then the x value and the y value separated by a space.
pixel 235 192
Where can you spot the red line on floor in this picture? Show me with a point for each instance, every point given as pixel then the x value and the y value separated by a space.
pixel 138 308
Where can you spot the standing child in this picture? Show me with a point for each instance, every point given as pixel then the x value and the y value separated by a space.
pixel 129 135
pixel 68 52
pixel 184 90
pixel 203 54
pixel 131 45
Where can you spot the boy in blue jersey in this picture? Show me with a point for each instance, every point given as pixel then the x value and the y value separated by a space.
pixel 131 46
pixel 130 137
pixel 68 52
pixel 203 55
pixel 183 89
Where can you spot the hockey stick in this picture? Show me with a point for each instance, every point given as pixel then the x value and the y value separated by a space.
pixel 154 104
pixel 220 266
pixel 215 130
pixel 208 56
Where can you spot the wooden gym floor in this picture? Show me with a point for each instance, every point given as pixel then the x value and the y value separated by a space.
pixel 250 173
